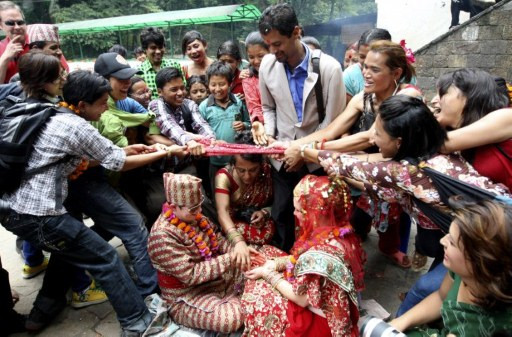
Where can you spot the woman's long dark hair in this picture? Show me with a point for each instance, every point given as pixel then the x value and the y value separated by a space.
pixel 410 119
pixel 483 95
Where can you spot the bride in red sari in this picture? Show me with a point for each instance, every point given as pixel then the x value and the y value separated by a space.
pixel 313 291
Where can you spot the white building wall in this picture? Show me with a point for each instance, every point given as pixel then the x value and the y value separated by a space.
pixel 416 21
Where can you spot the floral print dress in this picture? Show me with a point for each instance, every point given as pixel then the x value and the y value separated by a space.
pixel 393 181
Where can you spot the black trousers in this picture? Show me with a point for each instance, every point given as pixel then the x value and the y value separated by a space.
pixel 282 208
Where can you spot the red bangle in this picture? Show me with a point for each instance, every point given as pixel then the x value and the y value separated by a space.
pixel 322 144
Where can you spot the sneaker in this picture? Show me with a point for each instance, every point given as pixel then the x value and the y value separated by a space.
pixel 29 272
pixel 38 319
pixel 90 296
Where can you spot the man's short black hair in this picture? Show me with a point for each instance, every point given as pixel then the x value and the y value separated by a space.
pixel 152 35
pixel 167 75
pixel 281 17
pixel 219 68
pixel 82 85
pixel 118 49
pixel 37 44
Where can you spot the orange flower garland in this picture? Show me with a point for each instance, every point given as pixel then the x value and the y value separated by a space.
pixel 84 164
pixel 205 250
pixel 80 169
pixel 70 107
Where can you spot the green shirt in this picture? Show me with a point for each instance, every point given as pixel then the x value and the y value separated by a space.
pixel 114 122
pixel 466 320
pixel 149 74
pixel 221 121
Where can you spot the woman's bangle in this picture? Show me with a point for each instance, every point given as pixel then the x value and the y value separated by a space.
pixel 273 278
pixel 302 148
pixel 234 236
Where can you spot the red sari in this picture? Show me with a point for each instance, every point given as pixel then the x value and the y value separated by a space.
pixel 329 271
pixel 256 196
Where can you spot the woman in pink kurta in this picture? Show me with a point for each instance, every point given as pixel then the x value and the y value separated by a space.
pixel 193 262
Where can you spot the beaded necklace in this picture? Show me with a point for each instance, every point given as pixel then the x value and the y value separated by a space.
pixel 84 164
pixel 205 250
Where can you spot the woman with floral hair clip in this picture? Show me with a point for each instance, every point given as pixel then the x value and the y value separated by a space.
pixel 313 291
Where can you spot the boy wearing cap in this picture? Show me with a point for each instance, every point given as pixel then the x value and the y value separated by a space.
pixel 195 268
pixel 114 121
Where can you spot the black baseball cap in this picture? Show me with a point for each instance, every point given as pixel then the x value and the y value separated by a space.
pixel 113 64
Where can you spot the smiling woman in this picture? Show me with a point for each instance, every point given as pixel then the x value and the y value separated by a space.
pixel 194 45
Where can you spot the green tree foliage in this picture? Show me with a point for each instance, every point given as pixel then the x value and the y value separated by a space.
pixel 57 11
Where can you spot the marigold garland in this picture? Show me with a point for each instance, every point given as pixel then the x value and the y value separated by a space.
pixel 84 164
pixel 79 170
pixel 70 107
pixel 317 239
pixel 205 250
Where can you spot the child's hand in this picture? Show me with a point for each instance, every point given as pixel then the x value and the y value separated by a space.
pixel 176 150
pixel 195 148
pixel 238 126
pixel 244 74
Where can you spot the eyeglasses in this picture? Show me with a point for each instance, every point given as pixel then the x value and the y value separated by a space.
pixel 13 23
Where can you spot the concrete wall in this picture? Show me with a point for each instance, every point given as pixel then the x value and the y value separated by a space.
pixel 483 42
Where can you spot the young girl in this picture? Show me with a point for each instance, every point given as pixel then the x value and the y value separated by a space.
pixel 475 298
pixel 256 49
pixel 197 88
pixel 229 53
pixel 194 45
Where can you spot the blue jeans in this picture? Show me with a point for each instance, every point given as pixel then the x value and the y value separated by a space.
pixel 33 256
pixel 425 286
pixel 70 241
pixel 92 195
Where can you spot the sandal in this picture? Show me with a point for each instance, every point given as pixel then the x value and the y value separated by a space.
pixel 418 261
pixel 400 259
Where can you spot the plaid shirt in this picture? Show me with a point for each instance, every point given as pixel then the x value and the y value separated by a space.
pixel 149 74
pixel 171 123
pixel 63 142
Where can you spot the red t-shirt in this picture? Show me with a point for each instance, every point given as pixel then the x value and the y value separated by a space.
pixel 489 161
pixel 236 85
pixel 12 66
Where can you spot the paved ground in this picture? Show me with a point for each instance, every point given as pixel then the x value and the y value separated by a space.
pixel 383 283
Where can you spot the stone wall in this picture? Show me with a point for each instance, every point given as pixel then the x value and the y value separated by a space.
pixel 483 42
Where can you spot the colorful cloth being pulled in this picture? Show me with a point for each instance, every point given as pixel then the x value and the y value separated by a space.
pixel 229 149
